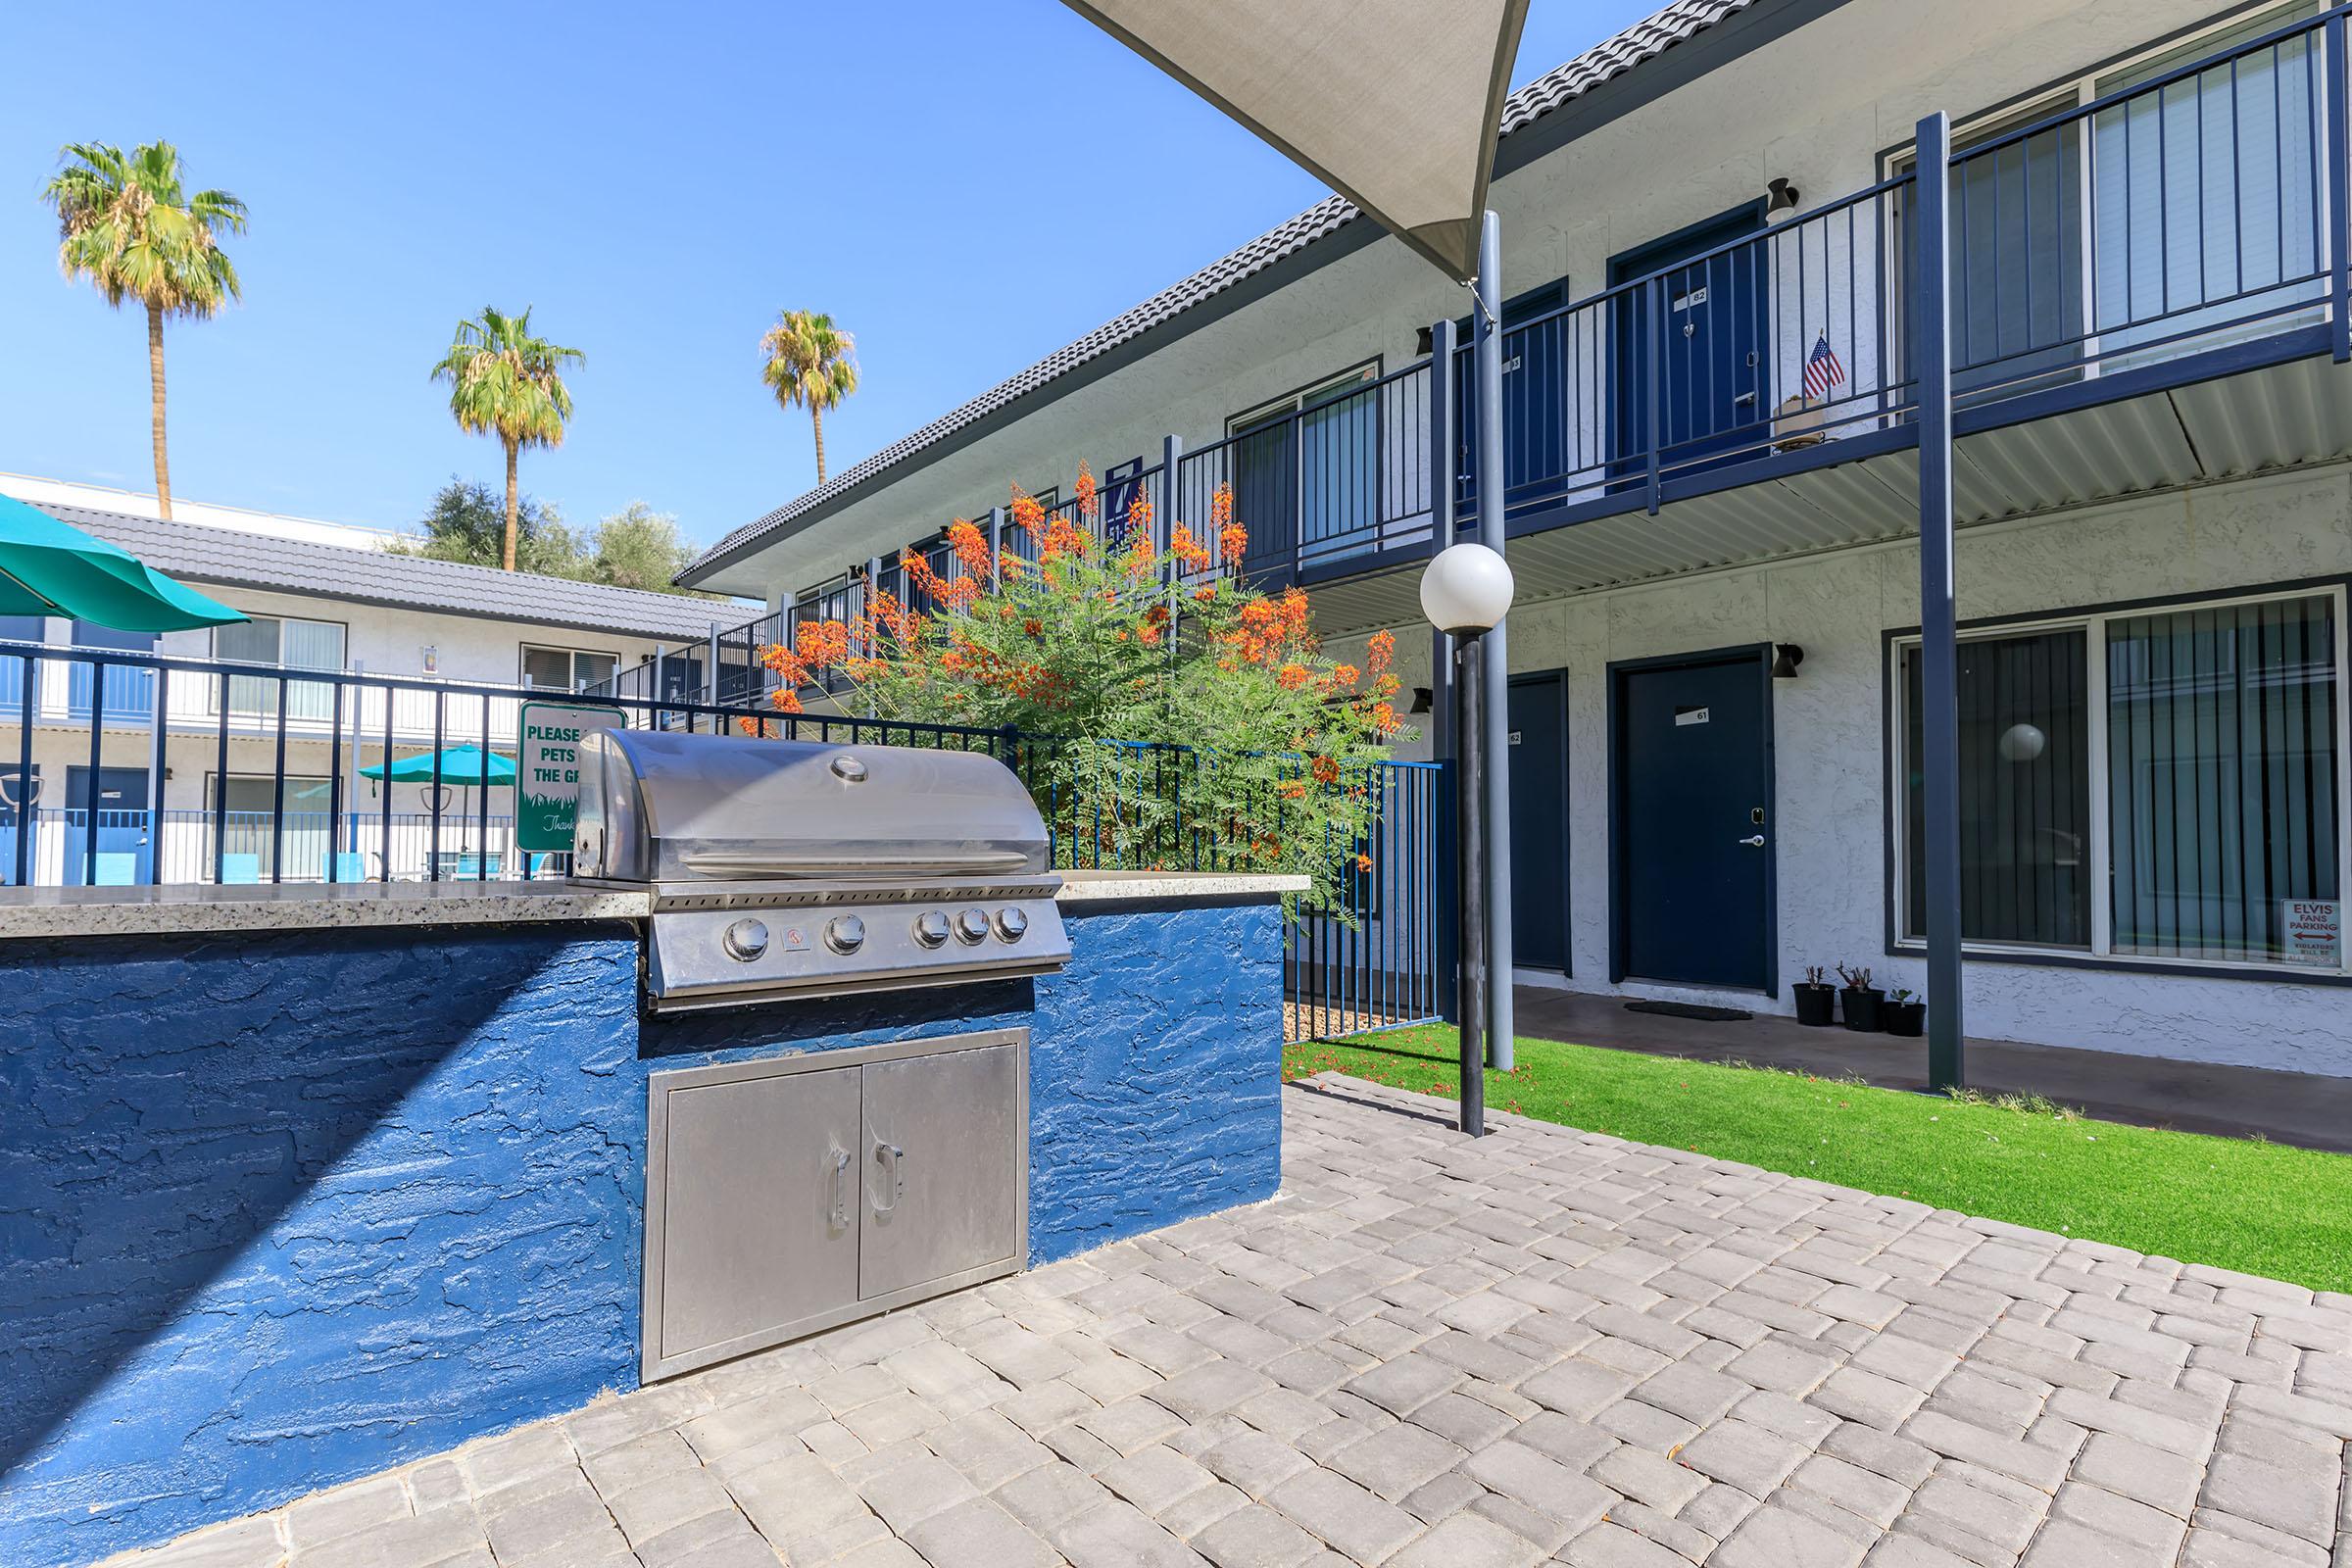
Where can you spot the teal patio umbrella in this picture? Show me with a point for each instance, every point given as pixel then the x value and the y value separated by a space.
pixel 49 567
pixel 465 766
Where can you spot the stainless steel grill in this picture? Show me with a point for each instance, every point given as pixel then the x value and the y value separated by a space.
pixel 794 868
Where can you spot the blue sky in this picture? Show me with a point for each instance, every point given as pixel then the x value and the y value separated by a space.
pixel 965 187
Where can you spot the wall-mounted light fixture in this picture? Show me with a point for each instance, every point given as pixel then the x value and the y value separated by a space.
pixel 1786 656
pixel 1779 201
pixel 1425 342
pixel 1422 696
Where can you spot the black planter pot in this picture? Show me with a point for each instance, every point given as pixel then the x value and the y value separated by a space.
pixel 1862 1009
pixel 1816 1005
pixel 1908 1019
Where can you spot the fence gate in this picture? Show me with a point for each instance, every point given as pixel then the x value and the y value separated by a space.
pixel 1385 960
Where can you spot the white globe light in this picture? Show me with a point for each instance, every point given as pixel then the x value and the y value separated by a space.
pixel 2021 743
pixel 1467 589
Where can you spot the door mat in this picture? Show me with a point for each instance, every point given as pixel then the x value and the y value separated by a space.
pixel 1689 1009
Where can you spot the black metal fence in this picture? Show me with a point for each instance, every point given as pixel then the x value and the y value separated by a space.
pixel 137 768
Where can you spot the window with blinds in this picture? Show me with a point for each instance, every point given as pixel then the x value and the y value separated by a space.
pixel 2024 790
pixel 2166 784
pixel 2206 191
pixel 289 644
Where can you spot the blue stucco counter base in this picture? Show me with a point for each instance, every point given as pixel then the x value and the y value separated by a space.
pixel 281 1209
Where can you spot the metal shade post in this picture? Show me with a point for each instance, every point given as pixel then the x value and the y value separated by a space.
pixel 1470 831
pixel 1494 852
pixel 1938 639
pixel 1444 464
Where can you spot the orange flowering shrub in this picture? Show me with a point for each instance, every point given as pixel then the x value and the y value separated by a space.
pixel 1196 721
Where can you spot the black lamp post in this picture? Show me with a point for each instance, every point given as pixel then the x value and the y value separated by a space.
pixel 1465 593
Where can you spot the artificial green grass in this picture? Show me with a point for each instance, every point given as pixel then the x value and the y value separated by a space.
pixel 2240 1203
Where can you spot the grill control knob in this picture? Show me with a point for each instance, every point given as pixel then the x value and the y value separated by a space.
pixel 845 933
pixel 931 928
pixel 745 940
pixel 972 925
pixel 1011 924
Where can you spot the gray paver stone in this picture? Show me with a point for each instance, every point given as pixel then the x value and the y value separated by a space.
pixel 1468 1541
pixel 1343 1514
pixel 1778 1538
pixel 978 1530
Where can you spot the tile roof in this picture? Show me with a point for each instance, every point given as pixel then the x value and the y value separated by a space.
pixel 1611 57
pixel 234 556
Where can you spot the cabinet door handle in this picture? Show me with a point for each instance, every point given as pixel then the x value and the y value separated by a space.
pixel 889 1155
pixel 841 1189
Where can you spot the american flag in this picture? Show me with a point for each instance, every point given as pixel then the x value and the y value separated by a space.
pixel 1822 370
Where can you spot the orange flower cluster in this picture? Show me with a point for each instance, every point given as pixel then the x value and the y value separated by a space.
pixel 957 594
pixel 971 548
pixel 1028 513
pixel 1232 538
pixel 1088 503
pixel 1189 552
pixel 1064 538
pixel 818 645
pixel 1326 770
pixel 1269 629
pixel 1138 516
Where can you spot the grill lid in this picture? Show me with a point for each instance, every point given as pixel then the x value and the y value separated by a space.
pixel 665 807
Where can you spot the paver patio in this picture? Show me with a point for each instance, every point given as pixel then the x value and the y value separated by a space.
pixel 1439 1353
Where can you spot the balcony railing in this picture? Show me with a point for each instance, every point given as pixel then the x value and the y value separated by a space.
pixel 2187 215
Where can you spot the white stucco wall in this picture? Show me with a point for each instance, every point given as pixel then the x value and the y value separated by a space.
pixel 1830 798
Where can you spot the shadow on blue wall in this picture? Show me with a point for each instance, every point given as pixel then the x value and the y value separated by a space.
pixel 169 1111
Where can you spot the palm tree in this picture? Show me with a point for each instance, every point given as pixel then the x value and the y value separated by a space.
pixel 809 366
pixel 130 227
pixel 509 383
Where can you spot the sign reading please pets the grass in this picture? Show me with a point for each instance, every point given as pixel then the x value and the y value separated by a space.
pixel 547 775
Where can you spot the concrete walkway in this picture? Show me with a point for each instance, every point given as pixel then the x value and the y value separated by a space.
pixel 1436 1353
pixel 2287 1107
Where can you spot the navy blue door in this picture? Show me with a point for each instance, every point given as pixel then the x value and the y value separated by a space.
pixel 1705 331
pixel 119 816
pixel 1535 410
pixel 1694 855
pixel 1539 753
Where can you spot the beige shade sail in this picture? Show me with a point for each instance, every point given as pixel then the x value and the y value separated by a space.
pixel 1392 103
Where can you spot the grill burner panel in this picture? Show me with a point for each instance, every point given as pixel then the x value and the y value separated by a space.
pixel 771 875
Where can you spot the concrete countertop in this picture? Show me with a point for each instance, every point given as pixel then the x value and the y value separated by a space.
pixel 85 912
pixel 1084 887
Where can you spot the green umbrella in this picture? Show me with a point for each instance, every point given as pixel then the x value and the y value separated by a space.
pixel 463 765
pixel 460 765
pixel 48 567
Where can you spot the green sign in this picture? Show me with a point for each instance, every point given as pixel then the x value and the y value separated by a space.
pixel 547 775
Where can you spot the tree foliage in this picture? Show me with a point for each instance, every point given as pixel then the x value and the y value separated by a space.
pixel 128 225
pixel 808 363
pixel 1200 723
pixel 635 547
pixel 504 381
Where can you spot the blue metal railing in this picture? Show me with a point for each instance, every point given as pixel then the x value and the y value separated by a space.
pixel 2191 211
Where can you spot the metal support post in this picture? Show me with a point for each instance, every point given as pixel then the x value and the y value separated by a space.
pixel 1495 868
pixel 1939 660
pixel 1475 994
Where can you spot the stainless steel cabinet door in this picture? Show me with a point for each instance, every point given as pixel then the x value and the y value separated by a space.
pixel 943 1166
pixel 760 1205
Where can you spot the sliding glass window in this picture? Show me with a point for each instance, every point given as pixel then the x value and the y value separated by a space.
pixel 2222 782
pixel 2163 785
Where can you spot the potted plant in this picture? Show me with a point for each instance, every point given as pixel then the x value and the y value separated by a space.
pixel 1905 1013
pixel 1859 1000
pixel 1816 999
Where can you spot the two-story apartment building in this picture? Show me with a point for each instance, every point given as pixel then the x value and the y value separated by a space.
pixel 177 774
pixel 1712 460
